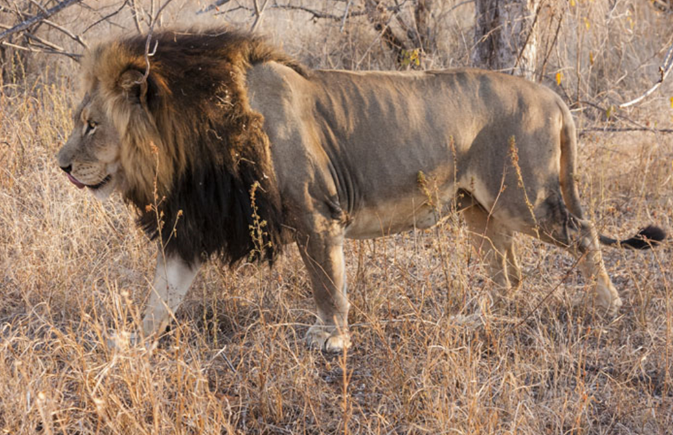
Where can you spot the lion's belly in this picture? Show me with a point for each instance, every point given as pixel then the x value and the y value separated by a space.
pixel 393 217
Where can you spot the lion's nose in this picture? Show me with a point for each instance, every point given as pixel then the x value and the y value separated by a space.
pixel 67 169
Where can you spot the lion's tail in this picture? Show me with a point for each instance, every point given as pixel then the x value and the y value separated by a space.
pixel 571 196
pixel 645 239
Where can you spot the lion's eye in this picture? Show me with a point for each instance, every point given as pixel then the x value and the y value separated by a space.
pixel 90 126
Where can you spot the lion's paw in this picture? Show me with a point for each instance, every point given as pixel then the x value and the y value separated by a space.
pixel 603 306
pixel 124 340
pixel 613 308
pixel 121 340
pixel 607 299
pixel 327 338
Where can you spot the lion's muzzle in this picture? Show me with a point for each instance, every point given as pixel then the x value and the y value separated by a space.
pixel 73 180
pixel 76 182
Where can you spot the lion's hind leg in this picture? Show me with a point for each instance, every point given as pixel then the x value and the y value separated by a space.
pixel 493 242
pixel 556 225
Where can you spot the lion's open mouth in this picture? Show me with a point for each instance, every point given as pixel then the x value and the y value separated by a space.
pixel 101 184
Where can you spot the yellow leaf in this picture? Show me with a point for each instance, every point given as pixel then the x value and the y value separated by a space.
pixel 587 23
pixel 671 102
pixel 591 57
pixel 572 3
pixel 559 77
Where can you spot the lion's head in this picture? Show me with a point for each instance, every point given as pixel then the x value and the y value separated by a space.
pixel 125 134
pixel 178 138
pixel 90 157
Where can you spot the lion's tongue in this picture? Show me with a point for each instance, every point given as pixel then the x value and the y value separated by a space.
pixel 74 181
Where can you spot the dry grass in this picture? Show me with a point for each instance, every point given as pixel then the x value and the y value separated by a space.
pixel 432 353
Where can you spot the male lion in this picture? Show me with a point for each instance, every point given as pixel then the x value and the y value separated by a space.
pixel 229 148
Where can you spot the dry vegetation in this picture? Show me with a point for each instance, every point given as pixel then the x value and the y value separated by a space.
pixel 432 353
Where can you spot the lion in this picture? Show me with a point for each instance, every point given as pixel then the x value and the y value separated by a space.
pixel 228 148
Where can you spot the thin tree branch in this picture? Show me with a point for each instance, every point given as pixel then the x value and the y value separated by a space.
pixel 343 21
pixel 149 54
pixel 258 14
pixel 136 20
pixel 107 17
pixel 74 56
pixel 318 14
pixel 42 41
pixel 584 131
pixel 664 70
pixel 37 18
pixel 39 6
pixel 551 46
pixel 381 22
pixel 466 2
pixel 214 5
pixel 62 29
pixel 637 126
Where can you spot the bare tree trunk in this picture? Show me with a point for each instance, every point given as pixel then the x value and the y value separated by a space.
pixel 422 15
pixel 505 36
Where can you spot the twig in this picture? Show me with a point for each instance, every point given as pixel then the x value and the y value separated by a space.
pixel 525 44
pixel 226 359
pixel 343 21
pixel 62 29
pixel 74 56
pixel 136 20
pixel 151 13
pixel 214 5
pixel 637 125
pixel 39 17
pixel 318 14
pixel 39 6
pixel 258 14
pixel 551 46
pixel 149 54
pixel 549 294
pixel 664 70
pixel 454 7
pixel 381 23
pixel 43 41
pixel 107 17
pixel 584 131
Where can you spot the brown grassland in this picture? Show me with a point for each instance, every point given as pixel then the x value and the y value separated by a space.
pixel 432 352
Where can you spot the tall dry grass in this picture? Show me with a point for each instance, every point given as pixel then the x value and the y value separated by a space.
pixel 432 351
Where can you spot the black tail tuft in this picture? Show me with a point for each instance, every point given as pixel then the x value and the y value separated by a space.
pixel 645 239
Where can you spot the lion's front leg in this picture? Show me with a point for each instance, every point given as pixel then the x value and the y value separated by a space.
pixel 324 259
pixel 171 282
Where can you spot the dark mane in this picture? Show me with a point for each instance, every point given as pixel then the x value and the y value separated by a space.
pixel 212 148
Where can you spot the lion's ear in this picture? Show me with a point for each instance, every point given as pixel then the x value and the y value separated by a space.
pixel 133 84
